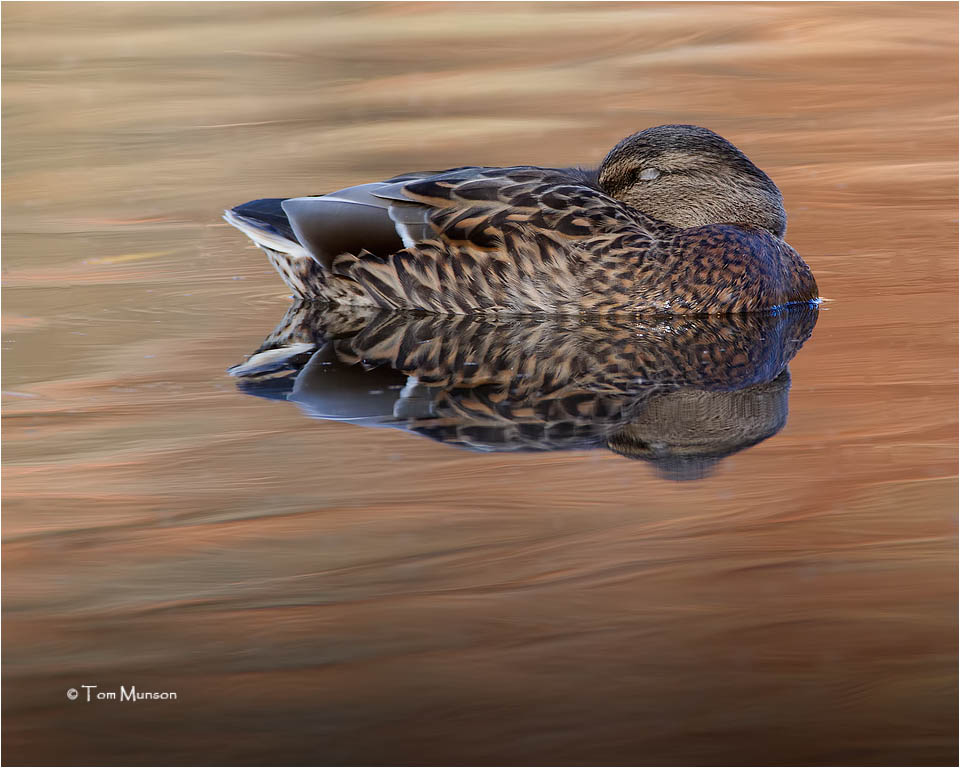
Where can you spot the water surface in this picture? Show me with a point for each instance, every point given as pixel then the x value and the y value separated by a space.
pixel 316 591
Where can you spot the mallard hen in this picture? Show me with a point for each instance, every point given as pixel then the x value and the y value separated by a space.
pixel 680 392
pixel 675 220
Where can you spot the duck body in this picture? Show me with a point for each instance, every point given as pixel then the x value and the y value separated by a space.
pixel 525 239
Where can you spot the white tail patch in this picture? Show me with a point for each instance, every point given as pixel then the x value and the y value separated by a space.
pixel 265 239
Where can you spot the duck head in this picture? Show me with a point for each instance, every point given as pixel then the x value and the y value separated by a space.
pixel 689 176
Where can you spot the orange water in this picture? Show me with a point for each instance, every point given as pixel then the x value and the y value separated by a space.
pixel 317 592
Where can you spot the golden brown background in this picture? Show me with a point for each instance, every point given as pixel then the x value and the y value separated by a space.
pixel 320 593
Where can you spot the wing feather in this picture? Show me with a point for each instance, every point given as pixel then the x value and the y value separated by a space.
pixel 467 239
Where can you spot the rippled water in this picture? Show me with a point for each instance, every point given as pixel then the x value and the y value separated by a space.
pixel 710 562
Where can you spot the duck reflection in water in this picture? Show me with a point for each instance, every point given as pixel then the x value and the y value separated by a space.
pixel 680 393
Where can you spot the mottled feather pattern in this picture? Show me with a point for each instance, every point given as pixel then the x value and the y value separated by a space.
pixel 506 240
pixel 563 382
pixel 602 354
pixel 308 280
pixel 525 239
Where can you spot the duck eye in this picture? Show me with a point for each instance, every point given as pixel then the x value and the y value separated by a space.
pixel 648 174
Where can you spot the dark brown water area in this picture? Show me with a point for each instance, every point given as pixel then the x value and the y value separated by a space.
pixel 479 585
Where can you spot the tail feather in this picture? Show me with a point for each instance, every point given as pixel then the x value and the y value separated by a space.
pixel 303 275
pixel 268 214
pixel 297 268
pixel 266 233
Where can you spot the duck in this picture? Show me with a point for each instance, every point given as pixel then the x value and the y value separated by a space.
pixel 679 393
pixel 674 220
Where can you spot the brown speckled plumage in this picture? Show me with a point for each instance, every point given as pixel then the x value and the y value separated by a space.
pixel 678 391
pixel 525 239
